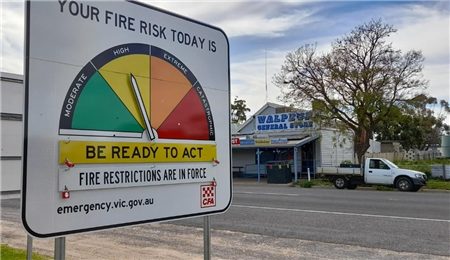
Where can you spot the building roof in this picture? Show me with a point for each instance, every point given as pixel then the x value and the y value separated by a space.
pixel 234 128
pixel 6 76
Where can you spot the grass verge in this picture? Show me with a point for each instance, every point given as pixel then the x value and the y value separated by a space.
pixel 383 188
pixel 315 182
pixel 438 184
pixel 11 253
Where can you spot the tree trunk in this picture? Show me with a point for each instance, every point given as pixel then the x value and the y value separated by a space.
pixel 361 144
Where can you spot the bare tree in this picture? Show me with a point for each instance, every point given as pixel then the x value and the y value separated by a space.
pixel 356 84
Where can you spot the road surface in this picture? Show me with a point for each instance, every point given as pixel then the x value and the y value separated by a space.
pixel 276 222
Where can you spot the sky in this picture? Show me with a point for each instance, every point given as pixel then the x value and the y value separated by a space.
pixel 261 33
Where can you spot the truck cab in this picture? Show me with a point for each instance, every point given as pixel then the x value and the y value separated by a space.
pixel 384 172
pixel 379 171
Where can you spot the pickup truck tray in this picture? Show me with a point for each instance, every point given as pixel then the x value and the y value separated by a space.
pixel 339 171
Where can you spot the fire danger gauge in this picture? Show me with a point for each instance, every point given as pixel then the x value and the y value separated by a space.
pixel 135 88
pixel 132 128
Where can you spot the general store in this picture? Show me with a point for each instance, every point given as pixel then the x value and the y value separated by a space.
pixel 278 135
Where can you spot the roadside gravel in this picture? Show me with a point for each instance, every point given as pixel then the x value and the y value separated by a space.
pixel 174 242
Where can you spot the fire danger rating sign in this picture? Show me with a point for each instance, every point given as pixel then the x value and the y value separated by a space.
pixel 125 129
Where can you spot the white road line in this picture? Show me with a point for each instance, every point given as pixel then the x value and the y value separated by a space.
pixel 274 194
pixel 339 213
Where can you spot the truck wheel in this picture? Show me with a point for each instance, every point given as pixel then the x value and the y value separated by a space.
pixel 404 184
pixel 351 186
pixel 340 182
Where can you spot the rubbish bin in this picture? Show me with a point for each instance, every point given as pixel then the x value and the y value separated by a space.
pixel 278 172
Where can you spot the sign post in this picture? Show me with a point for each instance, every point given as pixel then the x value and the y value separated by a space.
pixel 60 248
pixel 29 247
pixel 206 238
pixel 125 121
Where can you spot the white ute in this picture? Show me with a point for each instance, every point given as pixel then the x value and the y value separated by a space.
pixel 377 171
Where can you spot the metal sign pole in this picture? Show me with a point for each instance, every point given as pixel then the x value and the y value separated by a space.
pixel 29 247
pixel 60 248
pixel 259 168
pixel 207 238
pixel 295 163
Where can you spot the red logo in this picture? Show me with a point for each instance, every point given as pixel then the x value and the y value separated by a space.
pixel 65 194
pixel 235 141
pixel 208 196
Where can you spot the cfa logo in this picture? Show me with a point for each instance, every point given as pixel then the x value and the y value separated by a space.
pixel 208 196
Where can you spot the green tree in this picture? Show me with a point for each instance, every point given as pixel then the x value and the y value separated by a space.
pixel 238 109
pixel 357 84
pixel 415 124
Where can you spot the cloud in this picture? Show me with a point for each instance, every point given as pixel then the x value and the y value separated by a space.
pixel 439 81
pixel 249 78
pixel 263 26
pixel 12 31
pixel 243 18
pixel 425 29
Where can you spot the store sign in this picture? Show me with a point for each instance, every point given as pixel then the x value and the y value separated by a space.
pixel 284 121
pixel 106 144
pixel 278 141
pixel 247 142
pixel 235 141
pixel 262 141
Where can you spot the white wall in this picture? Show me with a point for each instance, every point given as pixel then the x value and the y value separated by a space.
pixel 331 151
pixel 11 138
pixel 375 147
pixel 11 94
pixel 268 111
pixel 250 128
pixel 11 172
pixel 11 133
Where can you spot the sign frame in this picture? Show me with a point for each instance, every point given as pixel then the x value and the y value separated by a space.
pixel 25 192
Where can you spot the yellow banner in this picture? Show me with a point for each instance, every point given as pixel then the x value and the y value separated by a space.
pixel 262 141
pixel 125 152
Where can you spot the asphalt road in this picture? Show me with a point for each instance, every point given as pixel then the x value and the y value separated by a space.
pixel 404 222
pixel 281 222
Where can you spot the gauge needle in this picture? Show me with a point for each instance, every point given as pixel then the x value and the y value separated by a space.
pixel 138 96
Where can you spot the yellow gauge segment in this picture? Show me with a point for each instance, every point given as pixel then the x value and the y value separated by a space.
pixel 117 74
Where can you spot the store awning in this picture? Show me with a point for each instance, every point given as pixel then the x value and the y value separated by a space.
pixel 276 144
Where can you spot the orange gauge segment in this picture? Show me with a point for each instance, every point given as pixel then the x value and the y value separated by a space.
pixel 169 86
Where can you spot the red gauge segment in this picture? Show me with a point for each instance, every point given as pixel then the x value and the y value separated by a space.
pixel 187 121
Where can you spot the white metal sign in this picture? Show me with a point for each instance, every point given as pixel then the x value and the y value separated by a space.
pixel 125 120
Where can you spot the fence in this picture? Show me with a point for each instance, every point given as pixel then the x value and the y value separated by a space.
pixel 407 156
pixel 424 155
pixel 440 171
pixel 390 156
